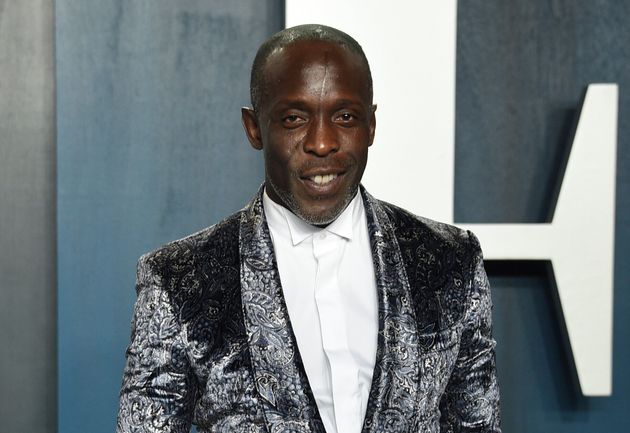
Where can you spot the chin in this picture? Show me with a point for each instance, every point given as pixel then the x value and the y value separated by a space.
pixel 313 211
pixel 322 217
pixel 317 219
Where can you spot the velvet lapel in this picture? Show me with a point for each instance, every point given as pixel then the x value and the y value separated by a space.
pixel 279 375
pixel 392 402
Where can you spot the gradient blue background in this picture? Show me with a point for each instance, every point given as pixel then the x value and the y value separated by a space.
pixel 149 147
pixel 521 70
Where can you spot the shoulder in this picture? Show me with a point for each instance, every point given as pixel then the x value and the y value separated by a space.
pixel 193 255
pixel 194 281
pixel 440 261
pixel 431 233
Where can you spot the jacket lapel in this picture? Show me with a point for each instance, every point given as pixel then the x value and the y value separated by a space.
pixel 392 400
pixel 279 375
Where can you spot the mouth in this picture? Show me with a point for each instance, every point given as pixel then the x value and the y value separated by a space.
pixel 323 179
pixel 323 183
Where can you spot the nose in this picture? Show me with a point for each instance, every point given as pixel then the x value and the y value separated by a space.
pixel 321 138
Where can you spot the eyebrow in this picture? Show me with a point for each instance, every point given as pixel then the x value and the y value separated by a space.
pixel 303 104
pixel 288 104
pixel 348 102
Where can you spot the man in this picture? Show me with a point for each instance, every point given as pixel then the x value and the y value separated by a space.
pixel 316 308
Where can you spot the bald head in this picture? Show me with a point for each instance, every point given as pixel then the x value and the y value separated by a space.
pixel 286 37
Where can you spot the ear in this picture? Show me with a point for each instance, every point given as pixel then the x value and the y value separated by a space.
pixel 372 123
pixel 252 130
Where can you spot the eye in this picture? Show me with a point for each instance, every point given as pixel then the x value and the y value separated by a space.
pixel 346 118
pixel 292 120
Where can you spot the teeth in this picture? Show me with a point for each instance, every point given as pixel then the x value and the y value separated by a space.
pixel 323 179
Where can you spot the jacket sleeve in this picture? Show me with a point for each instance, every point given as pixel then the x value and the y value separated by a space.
pixel 471 399
pixel 158 389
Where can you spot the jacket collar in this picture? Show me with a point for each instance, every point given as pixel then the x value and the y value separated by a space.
pixel 279 374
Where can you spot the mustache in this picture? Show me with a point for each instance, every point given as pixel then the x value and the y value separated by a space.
pixel 334 163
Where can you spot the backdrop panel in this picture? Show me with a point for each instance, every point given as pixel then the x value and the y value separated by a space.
pixel 521 70
pixel 27 218
pixel 150 148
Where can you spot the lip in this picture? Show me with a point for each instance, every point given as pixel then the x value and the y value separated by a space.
pixel 316 190
pixel 322 171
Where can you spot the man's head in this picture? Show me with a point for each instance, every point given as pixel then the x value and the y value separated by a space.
pixel 313 119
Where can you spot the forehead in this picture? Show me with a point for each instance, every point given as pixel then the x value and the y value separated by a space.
pixel 301 53
pixel 297 66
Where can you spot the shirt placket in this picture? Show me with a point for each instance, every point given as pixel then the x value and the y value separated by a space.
pixel 328 249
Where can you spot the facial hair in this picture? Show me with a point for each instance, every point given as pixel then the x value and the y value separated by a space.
pixel 321 220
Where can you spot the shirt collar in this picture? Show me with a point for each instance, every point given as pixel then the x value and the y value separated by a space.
pixel 281 218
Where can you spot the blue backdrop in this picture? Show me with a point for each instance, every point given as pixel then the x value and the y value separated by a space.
pixel 150 148
pixel 521 70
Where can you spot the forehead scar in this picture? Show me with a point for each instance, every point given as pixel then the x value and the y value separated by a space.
pixel 322 90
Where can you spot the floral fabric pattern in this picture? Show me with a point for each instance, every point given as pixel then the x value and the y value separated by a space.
pixel 212 344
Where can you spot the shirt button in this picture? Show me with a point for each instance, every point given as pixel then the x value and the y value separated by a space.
pixel 322 235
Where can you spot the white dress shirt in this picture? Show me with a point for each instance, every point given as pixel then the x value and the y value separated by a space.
pixel 327 279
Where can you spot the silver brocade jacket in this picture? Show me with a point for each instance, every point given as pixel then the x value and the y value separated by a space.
pixel 212 344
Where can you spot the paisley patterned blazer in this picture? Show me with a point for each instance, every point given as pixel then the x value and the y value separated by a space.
pixel 212 343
